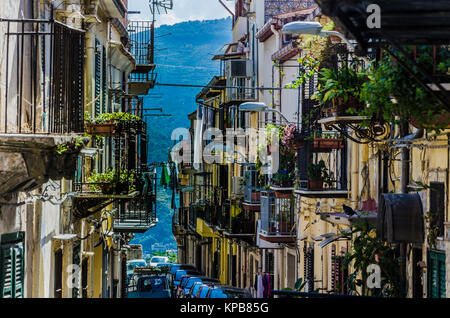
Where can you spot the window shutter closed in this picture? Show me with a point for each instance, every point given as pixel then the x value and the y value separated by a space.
pixel 104 82
pixel 98 78
pixel 11 269
pixel 436 274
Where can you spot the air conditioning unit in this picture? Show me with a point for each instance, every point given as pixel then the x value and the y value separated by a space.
pixel 237 186
pixel 239 68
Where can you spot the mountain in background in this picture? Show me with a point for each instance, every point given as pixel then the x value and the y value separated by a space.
pixel 183 56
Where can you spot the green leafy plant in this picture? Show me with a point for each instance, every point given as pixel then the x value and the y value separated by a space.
pixel 345 83
pixel 74 146
pixel 308 67
pixel 317 171
pixel 394 95
pixel 366 250
pixel 273 130
pixel 119 116
pixel 112 181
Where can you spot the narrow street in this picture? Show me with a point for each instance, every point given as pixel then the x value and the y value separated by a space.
pixel 215 149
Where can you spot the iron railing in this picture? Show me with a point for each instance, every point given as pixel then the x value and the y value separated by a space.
pixel 136 215
pixel 277 214
pixel 43 78
pixel 141 35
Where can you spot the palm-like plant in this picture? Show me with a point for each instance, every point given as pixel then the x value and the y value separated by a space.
pixel 345 83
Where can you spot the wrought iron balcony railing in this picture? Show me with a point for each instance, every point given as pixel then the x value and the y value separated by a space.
pixel 136 215
pixel 43 76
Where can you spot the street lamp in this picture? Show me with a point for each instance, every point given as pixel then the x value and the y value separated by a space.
pixel 313 28
pixel 260 107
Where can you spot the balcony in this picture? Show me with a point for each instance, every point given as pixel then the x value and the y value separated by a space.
pixel 141 35
pixel 252 194
pixel 138 214
pixel 180 224
pixel 243 225
pixel 40 112
pixel 277 218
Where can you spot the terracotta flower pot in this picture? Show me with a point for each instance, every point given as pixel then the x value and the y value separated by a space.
pixel 105 129
pixel 283 195
pixel 316 184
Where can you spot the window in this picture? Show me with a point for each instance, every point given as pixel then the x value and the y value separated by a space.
pixel 58 273
pixel 437 207
pixel 12 265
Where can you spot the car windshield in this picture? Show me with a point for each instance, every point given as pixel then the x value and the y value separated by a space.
pixel 152 284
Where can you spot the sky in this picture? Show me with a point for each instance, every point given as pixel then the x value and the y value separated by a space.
pixel 183 10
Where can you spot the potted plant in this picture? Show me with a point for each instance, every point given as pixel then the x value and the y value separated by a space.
pixel 112 182
pixel 327 141
pixel 273 131
pixel 317 174
pixel 105 124
pixel 341 88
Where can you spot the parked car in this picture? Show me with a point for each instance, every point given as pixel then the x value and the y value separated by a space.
pixel 158 260
pixel 186 292
pixel 149 286
pixel 228 292
pixel 179 274
pixel 131 265
pixel 174 267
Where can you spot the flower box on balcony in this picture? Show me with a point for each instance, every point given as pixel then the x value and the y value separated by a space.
pixel 104 129
pixel 328 143
pixel 283 195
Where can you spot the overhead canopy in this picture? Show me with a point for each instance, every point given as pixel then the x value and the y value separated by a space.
pixel 421 22
pixel 400 218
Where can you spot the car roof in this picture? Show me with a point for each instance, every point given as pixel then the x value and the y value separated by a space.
pixel 136 260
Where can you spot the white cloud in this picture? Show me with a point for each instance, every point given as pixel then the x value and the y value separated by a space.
pixel 183 10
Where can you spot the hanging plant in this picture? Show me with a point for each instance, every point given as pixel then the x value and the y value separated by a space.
pixel 392 94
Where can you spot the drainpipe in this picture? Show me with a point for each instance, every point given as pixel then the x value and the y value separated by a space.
pixel 278 41
pixel 404 181
pixel 355 171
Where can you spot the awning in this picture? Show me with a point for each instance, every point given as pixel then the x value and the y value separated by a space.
pixel 400 218
pixel 204 230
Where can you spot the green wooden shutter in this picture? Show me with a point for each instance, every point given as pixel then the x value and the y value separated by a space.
pixel 104 81
pixel 98 78
pixel 11 265
pixel 436 274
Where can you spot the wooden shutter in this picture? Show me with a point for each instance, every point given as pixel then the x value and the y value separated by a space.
pixel 98 65
pixel 11 265
pixel 436 274
pixel 104 81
